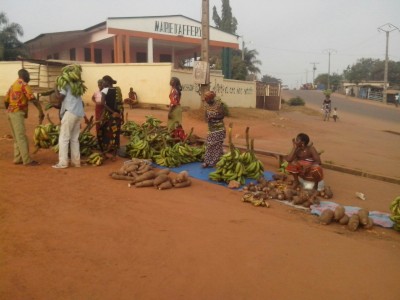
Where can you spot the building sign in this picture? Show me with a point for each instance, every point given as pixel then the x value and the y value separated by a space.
pixel 200 72
pixel 177 29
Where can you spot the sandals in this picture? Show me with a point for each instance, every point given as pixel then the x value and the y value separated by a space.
pixel 33 163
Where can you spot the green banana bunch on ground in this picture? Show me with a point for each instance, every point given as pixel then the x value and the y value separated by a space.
pixel 139 148
pixel 95 159
pixel 87 143
pixel 254 168
pixel 395 210
pixel 229 167
pixel 71 75
pixel 129 127
pixel 168 157
pixel 46 136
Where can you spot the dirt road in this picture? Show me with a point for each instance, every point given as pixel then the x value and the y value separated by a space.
pixel 77 234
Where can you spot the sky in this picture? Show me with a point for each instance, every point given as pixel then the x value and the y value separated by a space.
pixel 290 36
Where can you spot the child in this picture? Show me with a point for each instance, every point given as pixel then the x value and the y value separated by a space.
pixel 335 115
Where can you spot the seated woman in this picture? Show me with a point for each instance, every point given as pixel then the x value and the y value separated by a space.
pixel 304 162
pixel 132 99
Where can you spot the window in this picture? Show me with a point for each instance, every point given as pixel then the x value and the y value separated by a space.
pixel 98 56
pixel 72 54
pixel 141 57
pixel 88 56
pixel 165 58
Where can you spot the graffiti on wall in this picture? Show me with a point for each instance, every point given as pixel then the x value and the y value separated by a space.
pixel 220 89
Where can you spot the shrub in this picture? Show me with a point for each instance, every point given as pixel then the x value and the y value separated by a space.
pixel 296 102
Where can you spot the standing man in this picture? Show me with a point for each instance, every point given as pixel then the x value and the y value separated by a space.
pixel 71 114
pixel 16 103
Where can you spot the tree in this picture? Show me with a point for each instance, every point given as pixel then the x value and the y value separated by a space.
pixel 334 80
pixel 368 69
pixel 227 22
pixel 270 79
pixel 10 46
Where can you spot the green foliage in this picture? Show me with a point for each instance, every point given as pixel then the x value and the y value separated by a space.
pixel 334 79
pixel 227 22
pixel 368 69
pixel 10 46
pixel 297 101
pixel 226 109
pixel 270 79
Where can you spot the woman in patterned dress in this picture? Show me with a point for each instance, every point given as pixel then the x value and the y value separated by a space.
pixel 112 118
pixel 216 129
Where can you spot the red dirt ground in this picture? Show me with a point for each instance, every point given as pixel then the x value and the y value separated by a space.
pixel 77 234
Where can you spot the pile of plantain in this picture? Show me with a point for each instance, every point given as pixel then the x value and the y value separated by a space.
pixel 353 222
pixel 71 75
pixel 237 166
pixel 152 141
pixel 395 210
pixel 46 137
pixel 140 173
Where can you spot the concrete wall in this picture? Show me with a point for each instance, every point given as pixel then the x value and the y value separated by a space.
pixel 151 83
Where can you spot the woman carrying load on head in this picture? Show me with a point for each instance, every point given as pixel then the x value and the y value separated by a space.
pixel 175 109
pixel 215 114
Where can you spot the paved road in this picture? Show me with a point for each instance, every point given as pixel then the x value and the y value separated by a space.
pixel 365 108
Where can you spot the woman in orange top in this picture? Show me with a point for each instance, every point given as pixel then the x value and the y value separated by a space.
pixel 175 109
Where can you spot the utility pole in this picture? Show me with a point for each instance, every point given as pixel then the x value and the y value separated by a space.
pixel 386 28
pixel 205 41
pixel 313 74
pixel 329 51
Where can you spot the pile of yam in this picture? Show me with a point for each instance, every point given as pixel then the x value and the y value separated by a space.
pixel 281 188
pixel 140 173
pixel 353 222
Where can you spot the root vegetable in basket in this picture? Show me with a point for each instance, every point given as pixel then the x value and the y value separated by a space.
pixel 326 217
pixel 339 212
pixel 363 214
pixel 354 222
pixel 344 220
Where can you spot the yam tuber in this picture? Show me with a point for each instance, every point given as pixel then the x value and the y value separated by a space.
pixel 328 192
pixel 186 183
pixel 354 222
pixel 145 183
pixel 165 185
pixel 160 178
pixel 339 212
pixel 182 176
pixel 344 220
pixel 120 177
pixel 363 214
pixel 164 171
pixel 326 217
pixel 146 176
pixel 370 224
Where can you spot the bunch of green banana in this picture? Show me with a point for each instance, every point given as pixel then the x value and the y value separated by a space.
pixel 71 75
pixel 139 148
pixel 87 143
pixel 168 157
pixel 254 167
pixel 129 127
pixel 395 209
pixel 95 159
pixel 229 167
pixel 46 136
pixel 151 122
